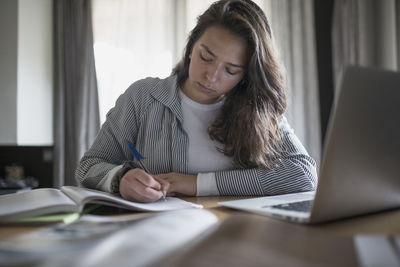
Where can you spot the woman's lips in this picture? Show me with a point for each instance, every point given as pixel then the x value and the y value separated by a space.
pixel 205 88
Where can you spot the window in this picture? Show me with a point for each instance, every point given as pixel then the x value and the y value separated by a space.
pixel 138 39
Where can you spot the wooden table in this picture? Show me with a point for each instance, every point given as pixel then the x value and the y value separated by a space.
pixel 246 239
pixel 387 222
pixel 254 240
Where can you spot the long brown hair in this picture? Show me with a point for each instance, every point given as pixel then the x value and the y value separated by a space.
pixel 248 125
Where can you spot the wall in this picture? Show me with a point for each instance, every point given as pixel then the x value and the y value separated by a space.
pixel 35 73
pixel 26 73
pixel 8 71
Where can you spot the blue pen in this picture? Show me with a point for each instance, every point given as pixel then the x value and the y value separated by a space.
pixel 139 158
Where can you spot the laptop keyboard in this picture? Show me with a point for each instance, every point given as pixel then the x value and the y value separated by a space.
pixel 304 206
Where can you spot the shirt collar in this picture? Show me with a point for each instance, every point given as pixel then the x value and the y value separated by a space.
pixel 167 93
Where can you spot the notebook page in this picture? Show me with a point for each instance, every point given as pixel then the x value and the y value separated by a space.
pixel 83 196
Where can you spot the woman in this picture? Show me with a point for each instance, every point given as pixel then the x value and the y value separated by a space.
pixel 214 127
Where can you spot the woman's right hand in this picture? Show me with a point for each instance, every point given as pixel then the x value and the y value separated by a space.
pixel 137 185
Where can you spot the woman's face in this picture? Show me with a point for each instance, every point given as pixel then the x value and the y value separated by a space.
pixel 218 63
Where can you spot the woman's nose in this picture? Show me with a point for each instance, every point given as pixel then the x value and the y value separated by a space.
pixel 212 73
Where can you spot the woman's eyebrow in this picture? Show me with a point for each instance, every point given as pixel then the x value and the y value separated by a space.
pixel 212 54
pixel 208 50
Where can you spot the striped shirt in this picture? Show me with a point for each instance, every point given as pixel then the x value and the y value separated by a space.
pixel 149 116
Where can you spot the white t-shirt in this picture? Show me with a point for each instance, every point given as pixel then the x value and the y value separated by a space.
pixel 203 157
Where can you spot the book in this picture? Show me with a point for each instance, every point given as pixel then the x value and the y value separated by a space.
pixel 108 241
pixel 72 200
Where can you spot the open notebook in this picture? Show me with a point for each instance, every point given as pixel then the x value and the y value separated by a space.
pixel 71 199
pixel 360 170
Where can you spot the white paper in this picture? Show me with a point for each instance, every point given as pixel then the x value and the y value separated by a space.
pixel 84 195
pixel 377 250
pixel 100 243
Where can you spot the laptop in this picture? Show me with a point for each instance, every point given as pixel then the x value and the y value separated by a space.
pixel 360 169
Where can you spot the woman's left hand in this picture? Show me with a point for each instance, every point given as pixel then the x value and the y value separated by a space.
pixel 179 184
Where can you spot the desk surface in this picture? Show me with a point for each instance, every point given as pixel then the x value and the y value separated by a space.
pixel 387 222
pixel 241 234
pixel 380 223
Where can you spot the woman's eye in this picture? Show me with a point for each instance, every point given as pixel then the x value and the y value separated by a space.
pixel 205 58
pixel 230 72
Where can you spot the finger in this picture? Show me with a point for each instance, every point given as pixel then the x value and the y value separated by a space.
pixel 162 177
pixel 134 190
pixel 149 181
pixel 144 193
pixel 164 185
pixel 153 194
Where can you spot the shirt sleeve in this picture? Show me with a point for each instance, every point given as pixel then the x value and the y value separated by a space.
pixel 105 183
pixel 295 172
pixel 206 185
pixel 98 167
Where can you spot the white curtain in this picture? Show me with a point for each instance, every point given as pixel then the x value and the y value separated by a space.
pixel 139 38
pixel 293 25
pixel 366 33
pixel 134 39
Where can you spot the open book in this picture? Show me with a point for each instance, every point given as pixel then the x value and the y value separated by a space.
pixel 72 199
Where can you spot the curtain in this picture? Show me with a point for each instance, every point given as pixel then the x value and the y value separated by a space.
pixel 76 101
pixel 293 25
pixel 365 33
